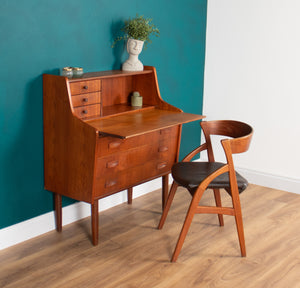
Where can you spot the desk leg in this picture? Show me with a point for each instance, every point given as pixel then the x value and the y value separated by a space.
pixel 95 222
pixel 165 189
pixel 129 195
pixel 58 211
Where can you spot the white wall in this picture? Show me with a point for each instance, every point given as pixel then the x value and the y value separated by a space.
pixel 252 73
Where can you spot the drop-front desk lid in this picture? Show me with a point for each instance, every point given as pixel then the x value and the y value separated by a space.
pixel 133 124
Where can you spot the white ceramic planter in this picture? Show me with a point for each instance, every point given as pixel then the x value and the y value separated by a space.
pixel 134 48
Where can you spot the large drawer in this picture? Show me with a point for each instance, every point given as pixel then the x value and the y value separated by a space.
pixel 128 159
pixel 121 180
pixel 109 145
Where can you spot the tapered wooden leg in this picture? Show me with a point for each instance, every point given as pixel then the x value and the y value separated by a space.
pixel 238 218
pixel 240 230
pixel 239 224
pixel 168 205
pixel 95 222
pixel 58 211
pixel 165 189
pixel 129 195
pixel 185 228
pixel 187 222
pixel 219 204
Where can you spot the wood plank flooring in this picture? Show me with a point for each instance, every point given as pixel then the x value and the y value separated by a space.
pixel 133 253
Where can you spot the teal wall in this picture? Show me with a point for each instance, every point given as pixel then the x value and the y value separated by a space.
pixel 40 36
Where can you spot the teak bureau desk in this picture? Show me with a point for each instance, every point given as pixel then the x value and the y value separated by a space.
pixel 96 144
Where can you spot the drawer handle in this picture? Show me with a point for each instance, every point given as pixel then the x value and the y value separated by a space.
pixel 84 111
pixel 85 100
pixel 112 164
pixel 85 87
pixel 113 145
pixel 161 165
pixel 165 131
pixel 163 149
pixel 110 183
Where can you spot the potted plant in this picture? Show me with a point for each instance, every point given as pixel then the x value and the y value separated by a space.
pixel 137 32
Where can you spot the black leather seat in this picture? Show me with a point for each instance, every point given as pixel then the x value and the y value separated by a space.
pixel 191 174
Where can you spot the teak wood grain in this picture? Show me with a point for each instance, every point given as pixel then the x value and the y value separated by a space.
pixel 96 144
pixel 140 122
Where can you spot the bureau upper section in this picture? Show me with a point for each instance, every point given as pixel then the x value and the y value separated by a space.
pixel 102 100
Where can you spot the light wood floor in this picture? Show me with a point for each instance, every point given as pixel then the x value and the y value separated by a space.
pixel 132 253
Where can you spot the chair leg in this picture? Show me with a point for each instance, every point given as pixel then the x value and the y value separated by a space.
pixel 219 204
pixel 240 230
pixel 239 222
pixel 168 205
pixel 186 225
pixel 165 189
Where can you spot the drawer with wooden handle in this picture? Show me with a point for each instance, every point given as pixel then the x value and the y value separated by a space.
pixel 167 145
pixel 125 160
pixel 133 176
pixel 87 111
pixel 110 145
pixel 85 87
pixel 86 99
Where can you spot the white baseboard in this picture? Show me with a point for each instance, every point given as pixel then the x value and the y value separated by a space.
pixel 267 180
pixel 272 181
pixel 36 226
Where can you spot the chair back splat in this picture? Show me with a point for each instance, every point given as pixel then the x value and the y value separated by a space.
pixel 196 177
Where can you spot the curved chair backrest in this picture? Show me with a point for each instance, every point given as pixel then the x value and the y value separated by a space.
pixel 240 133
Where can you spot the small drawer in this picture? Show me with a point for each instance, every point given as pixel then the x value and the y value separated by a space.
pixel 86 99
pixel 87 111
pixel 85 87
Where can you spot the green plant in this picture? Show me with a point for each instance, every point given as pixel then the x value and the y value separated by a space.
pixel 138 28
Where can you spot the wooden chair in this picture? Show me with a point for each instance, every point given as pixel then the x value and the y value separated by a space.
pixel 196 177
